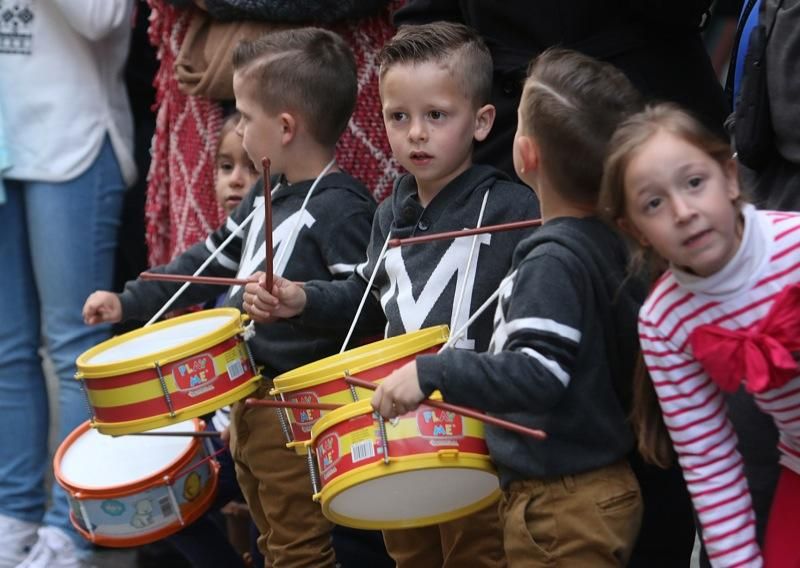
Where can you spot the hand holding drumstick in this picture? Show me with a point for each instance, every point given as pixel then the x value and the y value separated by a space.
pixel 286 298
pixel 399 392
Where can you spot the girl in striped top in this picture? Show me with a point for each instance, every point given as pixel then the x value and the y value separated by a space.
pixel 724 315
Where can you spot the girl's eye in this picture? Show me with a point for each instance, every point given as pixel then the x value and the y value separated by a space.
pixel 397 116
pixel 436 114
pixel 225 166
pixel 652 204
pixel 695 182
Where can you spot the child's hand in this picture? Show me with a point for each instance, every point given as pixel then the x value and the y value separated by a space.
pixel 102 307
pixel 285 300
pixel 399 392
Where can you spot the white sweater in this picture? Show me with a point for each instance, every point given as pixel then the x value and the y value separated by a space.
pixel 736 297
pixel 62 87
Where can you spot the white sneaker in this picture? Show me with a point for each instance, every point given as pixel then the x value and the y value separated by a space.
pixel 16 539
pixel 54 549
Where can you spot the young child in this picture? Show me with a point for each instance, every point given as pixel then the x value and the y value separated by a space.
pixel 295 91
pixel 723 316
pixel 435 82
pixel 564 339
pixel 204 543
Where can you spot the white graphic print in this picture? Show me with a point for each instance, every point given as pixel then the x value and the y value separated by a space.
pixel 254 253
pixel 414 312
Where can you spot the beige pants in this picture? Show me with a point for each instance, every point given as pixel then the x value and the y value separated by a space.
pixel 591 519
pixel 277 486
pixel 474 541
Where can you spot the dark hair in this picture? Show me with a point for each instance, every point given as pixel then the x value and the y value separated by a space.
pixel 571 104
pixel 456 47
pixel 310 71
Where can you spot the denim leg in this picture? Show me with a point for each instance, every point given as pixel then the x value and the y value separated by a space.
pixel 72 228
pixel 23 396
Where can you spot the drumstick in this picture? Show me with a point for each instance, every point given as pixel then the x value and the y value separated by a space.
pixel 465 232
pixel 202 434
pixel 267 225
pixel 464 411
pixel 291 404
pixel 216 280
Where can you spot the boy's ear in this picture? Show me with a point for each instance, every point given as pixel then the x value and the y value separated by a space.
pixel 528 151
pixel 484 119
pixel 630 229
pixel 289 126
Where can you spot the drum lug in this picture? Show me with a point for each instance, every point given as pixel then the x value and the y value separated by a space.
pixel 384 438
pixel 249 355
pixel 312 470
pixel 173 499
pixel 89 407
pixel 164 390
pixel 451 454
pixel 353 391
pixel 283 421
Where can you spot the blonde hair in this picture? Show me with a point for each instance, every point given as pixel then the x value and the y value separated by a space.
pixel 571 104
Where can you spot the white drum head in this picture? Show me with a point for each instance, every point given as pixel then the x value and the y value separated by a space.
pixel 160 339
pixel 414 494
pixel 98 461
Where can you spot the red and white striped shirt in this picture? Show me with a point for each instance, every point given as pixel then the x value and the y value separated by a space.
pixel 736 297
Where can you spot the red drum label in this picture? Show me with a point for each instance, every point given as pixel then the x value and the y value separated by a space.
pixel 359 446
pixel 328 454
pixel 305 416
pixel 194 372
pixel 440 426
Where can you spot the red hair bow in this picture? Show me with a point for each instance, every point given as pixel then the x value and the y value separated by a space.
pixel 761 356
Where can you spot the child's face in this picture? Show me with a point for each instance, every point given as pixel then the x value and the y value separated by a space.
pixel 430 122
pixel 680 201
pixel 259 131
pixel 234 172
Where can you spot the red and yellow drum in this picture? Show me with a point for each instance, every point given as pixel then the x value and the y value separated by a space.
pixel 169 372
pixel 323 380
pixel 131 490
pixel 434 468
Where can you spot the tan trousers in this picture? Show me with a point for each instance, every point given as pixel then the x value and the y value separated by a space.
pixel 474 541
pixel 591 519
pixel 276 484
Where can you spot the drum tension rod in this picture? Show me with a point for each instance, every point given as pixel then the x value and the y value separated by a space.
pixel 89 406
pixel 353 391
pixel 312 469
pixel 384 438
pixel 165 391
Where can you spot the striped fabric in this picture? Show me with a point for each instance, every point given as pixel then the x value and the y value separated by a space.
pixel 737 297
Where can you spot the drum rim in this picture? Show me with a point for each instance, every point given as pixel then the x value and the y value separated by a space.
pixel 403 464
pixel 360 358
pixel 122 489
pixel 88 370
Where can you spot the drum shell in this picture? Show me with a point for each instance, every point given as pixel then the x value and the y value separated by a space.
pixel 324 381
pixel 348 454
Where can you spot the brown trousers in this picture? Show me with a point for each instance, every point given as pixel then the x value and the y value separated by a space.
pixel 589 519
pixel 476 540
pixel 277 486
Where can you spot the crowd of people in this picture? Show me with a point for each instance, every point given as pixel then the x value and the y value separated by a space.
pixel 647 327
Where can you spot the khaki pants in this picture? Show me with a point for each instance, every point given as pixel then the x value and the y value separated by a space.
pixel 591 519
pixel 476 540
pixel 277 486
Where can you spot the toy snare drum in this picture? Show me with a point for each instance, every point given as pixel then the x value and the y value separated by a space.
pixel 323 381
pixel 168 372
pixel 132 490
pixel 431 466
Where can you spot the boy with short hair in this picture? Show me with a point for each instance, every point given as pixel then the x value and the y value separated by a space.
pixel 295 91
pixel 434 83
pixel 565 339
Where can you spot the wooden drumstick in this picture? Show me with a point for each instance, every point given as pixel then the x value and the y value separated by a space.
pixel 216 280
pixel 265 163
pixel 291 404
pixel 465 232
pixel 201 434
pixel 464 411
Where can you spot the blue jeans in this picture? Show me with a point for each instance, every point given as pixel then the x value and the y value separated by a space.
pixel 57 245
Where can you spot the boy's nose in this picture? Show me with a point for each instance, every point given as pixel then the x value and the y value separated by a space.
pixel 417 131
